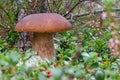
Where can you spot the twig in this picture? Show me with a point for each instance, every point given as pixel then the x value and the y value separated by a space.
pixel 95 12
pixel 72 8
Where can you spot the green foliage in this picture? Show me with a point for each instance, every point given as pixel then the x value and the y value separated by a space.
pixel 109 4
pixel 95 43
pixel 11 68
pixel 89 61
pixel 100 75
pixel 9 15
pixel 3 45
pixel 67 45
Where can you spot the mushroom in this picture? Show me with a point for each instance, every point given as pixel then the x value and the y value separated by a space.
pixel 43 26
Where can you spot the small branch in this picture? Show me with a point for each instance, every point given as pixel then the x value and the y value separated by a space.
pixel 72 8
pixel 80 1
pixel 95 12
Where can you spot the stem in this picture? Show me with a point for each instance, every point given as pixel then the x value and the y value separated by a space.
pixel 43 45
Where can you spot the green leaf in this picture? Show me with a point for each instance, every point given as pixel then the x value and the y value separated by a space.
pixel 29 54
pixel 41 76
pixel 100 75
pixel 57 73
pixel 13 57
pixel 4 60
pixel 84 54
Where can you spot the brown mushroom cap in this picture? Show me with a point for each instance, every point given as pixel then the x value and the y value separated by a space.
pixel 43 22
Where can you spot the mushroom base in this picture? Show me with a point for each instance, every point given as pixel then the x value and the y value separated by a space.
pixel 43 44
